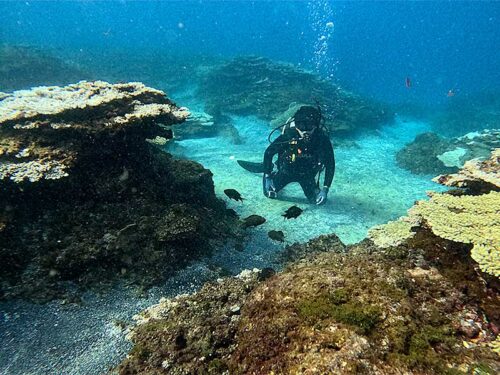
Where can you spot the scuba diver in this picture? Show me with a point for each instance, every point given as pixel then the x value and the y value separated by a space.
pixel 304 150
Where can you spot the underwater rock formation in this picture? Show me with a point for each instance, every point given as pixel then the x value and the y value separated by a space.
pixel 476 175
pixel 203 125
pixel 23 67
pixel 468 113
pixel 258 86
pixel 85 199
pixel 431 154
pixel 408 300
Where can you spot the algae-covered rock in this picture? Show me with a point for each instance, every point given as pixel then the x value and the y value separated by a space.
pixel 258 86
pixel 188 333
pixel 364 311
pixel 430 153
pixel 421 155
pixel 85 199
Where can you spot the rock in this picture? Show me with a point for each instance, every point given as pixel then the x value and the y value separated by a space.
pixel 421 155
pixel 415 304
pixel 431 154
pixel 476 175
pixel 264 88
pixel 85 199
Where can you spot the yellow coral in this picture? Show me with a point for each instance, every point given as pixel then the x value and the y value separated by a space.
pixel 466 219
pixel 391 234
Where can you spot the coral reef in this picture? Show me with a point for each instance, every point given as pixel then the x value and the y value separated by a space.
pixel 365 311
pixel 258 86
pixel 476 175
pixel 22 67
pixel 431 154
pixel 410 299
pixel 85 199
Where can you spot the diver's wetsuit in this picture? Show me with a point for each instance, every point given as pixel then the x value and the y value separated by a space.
pixel 300 160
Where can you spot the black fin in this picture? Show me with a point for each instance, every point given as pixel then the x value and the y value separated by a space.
pixel 251 166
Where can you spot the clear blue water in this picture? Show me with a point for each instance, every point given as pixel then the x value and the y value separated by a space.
pixel 371 49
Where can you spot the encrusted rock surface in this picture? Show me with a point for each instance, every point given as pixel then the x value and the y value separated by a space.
pixel 85 199
pixel 411 301
pixel 402 310
pixel 431 154
pixel 476 175
pixel 258 86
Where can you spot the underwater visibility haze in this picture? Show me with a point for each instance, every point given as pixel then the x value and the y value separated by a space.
pixel 249 187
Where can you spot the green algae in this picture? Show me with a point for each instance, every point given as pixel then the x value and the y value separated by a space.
pixel 338 306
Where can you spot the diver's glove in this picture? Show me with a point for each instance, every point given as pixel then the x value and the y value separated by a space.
pixel 322 195
pixel 268 185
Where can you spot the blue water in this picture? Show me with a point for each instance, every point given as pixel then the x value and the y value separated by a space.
pixel 373 47
pixel 368 47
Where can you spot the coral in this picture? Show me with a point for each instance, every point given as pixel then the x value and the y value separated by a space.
pixel 466 219
pixel 421 155
pixel 393 233
pixel 258 86
pixel 85 199
pixel 431 154
pixel 476 175
pixel 452 158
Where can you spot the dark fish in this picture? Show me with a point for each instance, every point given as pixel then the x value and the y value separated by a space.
pixel 253 221
pixel 233 194
pixel 276 235
pixel 292 213
pixel 408 82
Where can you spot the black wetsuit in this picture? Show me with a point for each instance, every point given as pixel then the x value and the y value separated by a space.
pixel 300 160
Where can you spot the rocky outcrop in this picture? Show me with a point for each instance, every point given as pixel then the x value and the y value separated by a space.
pixel 431 154
pixel 476 175
pixel 408 300
pixel 85 199
pixel 263 88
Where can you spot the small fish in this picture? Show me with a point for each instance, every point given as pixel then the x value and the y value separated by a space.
pixel 450 93
pixel 233 194
pixel 408 82
pixel 253 221
pixel 292 213
pixel 276 235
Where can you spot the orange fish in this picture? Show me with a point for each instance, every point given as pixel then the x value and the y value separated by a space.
pixel 408 82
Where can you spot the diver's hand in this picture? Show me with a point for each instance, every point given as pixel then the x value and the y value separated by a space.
pixel 268 185
pixel 322 195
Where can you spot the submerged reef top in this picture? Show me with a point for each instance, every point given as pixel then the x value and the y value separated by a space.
pixel 28 119
pixel 265 88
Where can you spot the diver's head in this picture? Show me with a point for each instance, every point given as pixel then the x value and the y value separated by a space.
pixel 307 119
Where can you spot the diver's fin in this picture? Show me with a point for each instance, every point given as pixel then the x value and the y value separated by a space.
pixel 251 166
